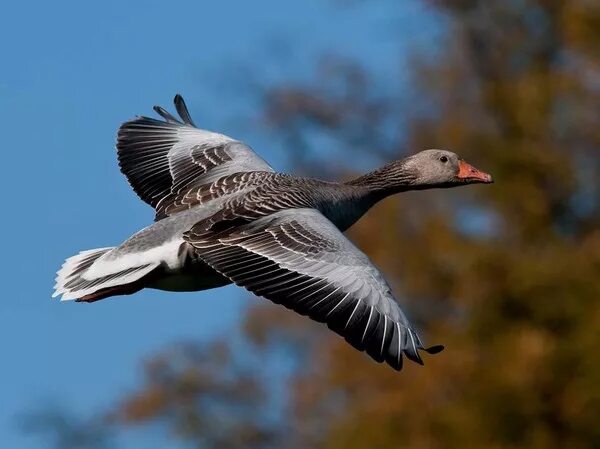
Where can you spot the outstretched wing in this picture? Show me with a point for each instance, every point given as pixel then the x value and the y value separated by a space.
pixel 299 259
pixel 162 158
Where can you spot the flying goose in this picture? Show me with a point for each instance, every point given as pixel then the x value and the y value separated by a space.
pixel 224 215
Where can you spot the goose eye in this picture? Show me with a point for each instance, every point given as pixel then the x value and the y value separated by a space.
pixel 444 159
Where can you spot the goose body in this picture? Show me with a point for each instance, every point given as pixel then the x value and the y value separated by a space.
pixel 223 215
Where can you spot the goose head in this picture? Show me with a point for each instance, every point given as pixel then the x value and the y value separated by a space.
pixel 440 169
pixel 427 169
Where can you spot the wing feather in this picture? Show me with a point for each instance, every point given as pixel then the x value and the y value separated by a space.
pixel 161 159
pixel 298 258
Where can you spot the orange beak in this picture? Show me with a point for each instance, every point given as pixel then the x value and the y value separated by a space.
pixel 469 174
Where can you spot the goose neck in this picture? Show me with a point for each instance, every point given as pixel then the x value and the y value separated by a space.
pixel 392 178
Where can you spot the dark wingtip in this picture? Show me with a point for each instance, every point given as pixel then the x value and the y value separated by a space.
pixel 398 366
pixel 165 114
pixel 182 110
pixel 434 349
pixel 414 356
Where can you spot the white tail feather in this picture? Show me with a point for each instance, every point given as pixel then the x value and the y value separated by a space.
pixel 73 280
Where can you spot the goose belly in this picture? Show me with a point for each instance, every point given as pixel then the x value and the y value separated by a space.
pixel 193 277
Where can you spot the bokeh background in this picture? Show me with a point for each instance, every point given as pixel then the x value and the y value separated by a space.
pixel 506 276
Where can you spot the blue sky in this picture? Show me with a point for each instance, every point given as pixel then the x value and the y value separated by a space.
pixel 72 72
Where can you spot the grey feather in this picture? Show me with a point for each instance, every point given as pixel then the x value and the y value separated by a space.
pixel 301 260
pixel 162 159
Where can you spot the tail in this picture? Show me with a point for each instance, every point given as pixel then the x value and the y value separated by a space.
pixel 74 281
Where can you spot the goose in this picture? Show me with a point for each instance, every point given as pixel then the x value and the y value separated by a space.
pixel 223 215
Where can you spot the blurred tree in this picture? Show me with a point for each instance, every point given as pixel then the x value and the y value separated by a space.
pixel 506 276
pixel 64 430
pixel 207 395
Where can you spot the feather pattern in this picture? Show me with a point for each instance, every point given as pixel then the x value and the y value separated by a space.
pixel 72 281
pixel 161 159
pixel 301 260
